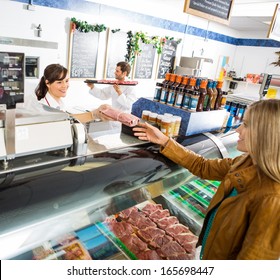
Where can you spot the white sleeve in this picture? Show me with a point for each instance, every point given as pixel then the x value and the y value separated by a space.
pixel 127 98
pixel 103 94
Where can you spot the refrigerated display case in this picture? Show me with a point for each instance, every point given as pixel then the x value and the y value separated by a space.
pixel 66 214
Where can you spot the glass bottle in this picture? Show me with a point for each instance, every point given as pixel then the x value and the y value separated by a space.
pixel 232 114
pixel 188 92
pixel 239 114
pixel 165 88
pixel 157 92
pixel 173 90
pixel 193 101
pixel 180 92
pixel 219 95
pixel 214 96
pixel 209 96
pixel 223 100
pixel 166 79
pixel 202 93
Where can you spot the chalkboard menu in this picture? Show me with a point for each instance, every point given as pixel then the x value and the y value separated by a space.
pixel 145 62
pixel 83 54
pixel 167 59
pixel 116 51
pixel 216 10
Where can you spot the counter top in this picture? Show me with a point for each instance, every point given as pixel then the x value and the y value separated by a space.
pixel 107 136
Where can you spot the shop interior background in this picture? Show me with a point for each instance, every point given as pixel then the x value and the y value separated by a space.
pixel 249 51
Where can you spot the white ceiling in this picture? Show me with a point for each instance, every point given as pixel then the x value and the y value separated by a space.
pixel 250 15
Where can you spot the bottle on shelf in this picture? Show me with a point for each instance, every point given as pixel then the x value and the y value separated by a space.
pixel 188 93
pixel 223 99
pixel 194 100
pixel 227 114
pixel 239 114
pixel 173 90
pixel 232 114
pixel 180 92
pixel 202 84
pixel 214 96
pixel 164 84
pixel 166 87
pixel 209 96
pixel 219 94
pixel 166 79
pixel 157 92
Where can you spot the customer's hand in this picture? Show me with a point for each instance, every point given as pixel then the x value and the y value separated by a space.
pixel 145 131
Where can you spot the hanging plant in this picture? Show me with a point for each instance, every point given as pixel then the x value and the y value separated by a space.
pixel 134 44
pixel 115 30
pixel 85 27
pixel 129 57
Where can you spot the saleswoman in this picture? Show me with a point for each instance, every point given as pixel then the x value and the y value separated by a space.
pixel 53 87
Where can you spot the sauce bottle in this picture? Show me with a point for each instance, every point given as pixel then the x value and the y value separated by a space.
pixel 157 92
pixel 188 93
pixel 214 96
pixel 223 100
pixel 208 96
pixel 202 93
pixel 193 101
pixel 180 92
pixel 232 114
pixel 219 95
pixel 173 90
pixel 166 79
pixel 166 88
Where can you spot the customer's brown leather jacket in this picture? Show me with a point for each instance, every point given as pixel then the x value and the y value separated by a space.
pixel 246 226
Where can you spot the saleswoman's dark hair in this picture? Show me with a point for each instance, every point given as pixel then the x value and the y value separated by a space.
pixel 52 73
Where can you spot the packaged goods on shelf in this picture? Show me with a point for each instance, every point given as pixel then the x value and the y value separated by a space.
pixel 191 122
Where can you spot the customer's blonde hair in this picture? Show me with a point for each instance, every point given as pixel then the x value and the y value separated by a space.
pixel 263 127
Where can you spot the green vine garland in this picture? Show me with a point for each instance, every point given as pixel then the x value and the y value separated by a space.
pixel 133 40
pixel 134 44
pixel 85 27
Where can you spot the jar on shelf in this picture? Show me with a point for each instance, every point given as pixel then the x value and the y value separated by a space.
pixel 145 115
pixel 165 125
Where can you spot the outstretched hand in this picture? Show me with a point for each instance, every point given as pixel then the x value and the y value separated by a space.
pixel 147 132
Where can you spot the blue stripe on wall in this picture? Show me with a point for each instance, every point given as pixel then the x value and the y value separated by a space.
pixel 100 9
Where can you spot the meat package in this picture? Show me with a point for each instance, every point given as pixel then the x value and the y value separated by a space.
pixel 112 82
pixel 153 234
pixel 117 115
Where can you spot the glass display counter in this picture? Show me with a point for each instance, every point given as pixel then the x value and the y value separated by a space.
pixel 49 212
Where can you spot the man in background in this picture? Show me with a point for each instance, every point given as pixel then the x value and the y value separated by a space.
pixel 122 96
